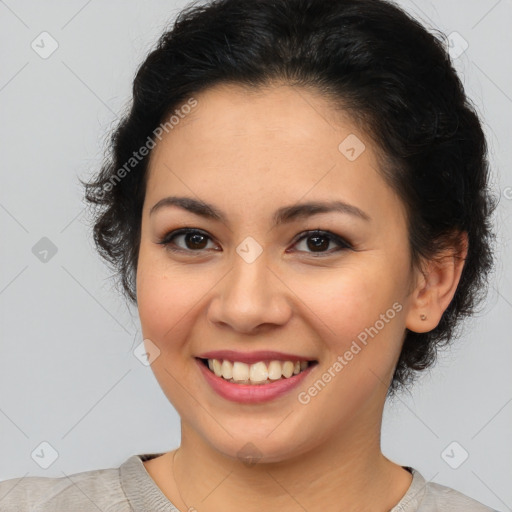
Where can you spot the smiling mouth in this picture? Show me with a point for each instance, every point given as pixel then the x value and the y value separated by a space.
pixel 261 372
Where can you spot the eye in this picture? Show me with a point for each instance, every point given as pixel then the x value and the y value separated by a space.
pixel 317 241
pixel 194 240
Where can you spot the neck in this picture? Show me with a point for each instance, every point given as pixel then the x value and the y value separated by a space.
pixel 346 472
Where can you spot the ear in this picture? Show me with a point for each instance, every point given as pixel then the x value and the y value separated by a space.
pixel 436 284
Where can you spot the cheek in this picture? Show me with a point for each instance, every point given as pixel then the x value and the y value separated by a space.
pixel 343 302
pixel 166 299
pixel 359 317
pixel 167 304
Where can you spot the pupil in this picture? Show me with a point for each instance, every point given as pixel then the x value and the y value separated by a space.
pixel 195 240
pixel 318 245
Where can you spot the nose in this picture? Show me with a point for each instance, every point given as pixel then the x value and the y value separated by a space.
pixel 250 298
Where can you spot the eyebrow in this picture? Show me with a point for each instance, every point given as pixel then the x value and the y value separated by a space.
pixel 281 216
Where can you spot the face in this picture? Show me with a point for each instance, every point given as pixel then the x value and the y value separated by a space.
pixel 328 286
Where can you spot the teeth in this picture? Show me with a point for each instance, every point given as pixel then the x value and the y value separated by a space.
pixel 240 371
pixel 274 370
pixel 257 373
pixel 226 369
pixel 288 369
pixel 217 368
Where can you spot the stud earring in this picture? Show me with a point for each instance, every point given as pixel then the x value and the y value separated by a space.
pixel 423 317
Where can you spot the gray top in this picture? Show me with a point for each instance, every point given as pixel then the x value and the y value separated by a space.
pixel 130 488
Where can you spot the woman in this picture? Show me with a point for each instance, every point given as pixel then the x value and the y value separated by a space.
pixel 298 204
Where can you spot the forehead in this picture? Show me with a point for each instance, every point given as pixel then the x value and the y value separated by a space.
pixel 286 114
pixel 265 144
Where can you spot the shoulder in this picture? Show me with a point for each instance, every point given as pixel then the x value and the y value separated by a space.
pixel 453 500
pixel 88 490
pixel 424 496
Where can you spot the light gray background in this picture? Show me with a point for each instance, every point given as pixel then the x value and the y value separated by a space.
pixel 68 375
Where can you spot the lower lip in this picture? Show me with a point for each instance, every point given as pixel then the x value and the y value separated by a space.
pixel 255 393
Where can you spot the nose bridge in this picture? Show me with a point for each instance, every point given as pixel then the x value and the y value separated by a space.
pixel 249 280
pixel 250 295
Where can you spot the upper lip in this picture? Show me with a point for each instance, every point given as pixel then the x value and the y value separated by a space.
pixel 252 357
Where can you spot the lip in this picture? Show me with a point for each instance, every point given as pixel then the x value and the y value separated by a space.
pixel 252 357
pixel 251 393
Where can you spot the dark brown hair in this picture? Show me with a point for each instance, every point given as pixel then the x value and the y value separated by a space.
pixel 379 64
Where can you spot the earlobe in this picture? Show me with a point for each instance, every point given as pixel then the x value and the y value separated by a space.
pixel 436 286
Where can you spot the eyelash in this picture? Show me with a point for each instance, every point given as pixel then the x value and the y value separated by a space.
pixel 343 244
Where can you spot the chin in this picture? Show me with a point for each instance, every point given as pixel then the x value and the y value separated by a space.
pixel 259 447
